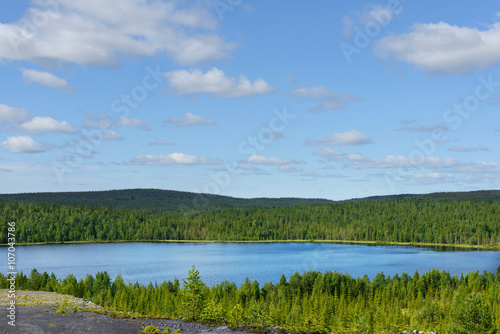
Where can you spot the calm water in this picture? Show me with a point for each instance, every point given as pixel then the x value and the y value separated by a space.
pixel 145 262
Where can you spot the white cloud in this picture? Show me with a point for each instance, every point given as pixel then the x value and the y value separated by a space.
pixel 215 83
pixel 290 169
pixel 247 167
pixel 252 169
pixel 457 148
pixel 99 121
pixel 433 176
pixel 161 142
pixel 479 167
pixel 23 144
pixel 46 124
pixel 111 135
pixel 172 159
pixel 441 48
pixel 102 124
pixel 132 122
pixel 318 175
pixel 330 154
pixel 74 31
pixel 359 161
pixel 352 137
pixel 13 115
pixel 261 160
pixel 429 129
pixel 370 15
pixel 329 100
pixel 190 120
pixel 46 79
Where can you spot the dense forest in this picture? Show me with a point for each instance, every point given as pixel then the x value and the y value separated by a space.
pixel 169 200
pixel 477 195
pixel 395 220
pixel 153 200
pixel 313 302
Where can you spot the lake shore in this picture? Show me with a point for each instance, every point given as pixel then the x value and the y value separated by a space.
pixel 348 242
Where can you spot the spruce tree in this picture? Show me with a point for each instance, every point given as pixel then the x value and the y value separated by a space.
pixel 193 298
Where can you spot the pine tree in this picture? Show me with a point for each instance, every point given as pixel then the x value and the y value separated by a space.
pixel 237 316
pixel 474 316
pixel 193 297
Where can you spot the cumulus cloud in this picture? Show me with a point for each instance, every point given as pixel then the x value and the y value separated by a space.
pixel 102 124
pixel 99 121
pixel 190 120
pixel 420 128
pixel 252 169
pixel 321 175
pixel 358 161
pixel 442 48
pixel 172 159
pixel 109 136
pixel 215 83
pixel 329 100
pixel 13 115
pixel 23 144
pixel 432 176
pixel 45 124
pixel 290 169
pixel 462 149
pixel 46 79
pixel 74 31
pixel 480 167
pixel 261 160
pixel 133 122
pixel 330 154
pixel 353 137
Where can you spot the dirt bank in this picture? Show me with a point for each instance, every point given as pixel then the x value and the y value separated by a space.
pixel 36 313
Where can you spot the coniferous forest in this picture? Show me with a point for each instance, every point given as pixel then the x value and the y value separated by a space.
pixel 393 220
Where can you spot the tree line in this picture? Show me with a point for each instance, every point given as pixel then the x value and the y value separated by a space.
pixel 153 200
pixel 311 302
pixel 394 220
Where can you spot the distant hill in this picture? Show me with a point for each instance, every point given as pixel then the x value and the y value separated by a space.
pixel 154 200
pixel 170 200
pixel 478 195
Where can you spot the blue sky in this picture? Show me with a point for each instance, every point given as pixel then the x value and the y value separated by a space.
pixel 322 99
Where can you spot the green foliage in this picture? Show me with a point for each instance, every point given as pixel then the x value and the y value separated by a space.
pixel 311 302
pixel 237 315
pixel 167 331
pixel 213 313
pixel 473 316
pixel 193 300
pixel 151 329
pixel 63 307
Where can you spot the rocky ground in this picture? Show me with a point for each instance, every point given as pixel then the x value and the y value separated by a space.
pixel 36 313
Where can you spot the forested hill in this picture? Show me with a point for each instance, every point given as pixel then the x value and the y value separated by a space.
pixel 170 200
pixel 154 200
pixel 478 195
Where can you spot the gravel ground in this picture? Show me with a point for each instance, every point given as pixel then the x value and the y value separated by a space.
pixel 36 313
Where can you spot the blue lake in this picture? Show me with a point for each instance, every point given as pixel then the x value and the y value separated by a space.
pixel 264 262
